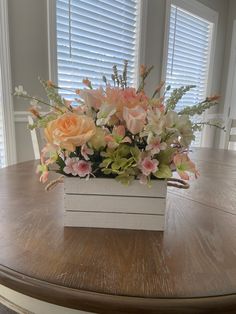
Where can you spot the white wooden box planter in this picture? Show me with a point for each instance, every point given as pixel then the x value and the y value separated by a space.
pixel 105 203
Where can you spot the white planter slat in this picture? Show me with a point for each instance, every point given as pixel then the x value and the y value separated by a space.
pixel 105 203
pixel 114 220
pixel 112 187
pixel 122 204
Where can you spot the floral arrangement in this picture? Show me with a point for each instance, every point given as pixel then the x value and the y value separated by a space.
pixel 117 131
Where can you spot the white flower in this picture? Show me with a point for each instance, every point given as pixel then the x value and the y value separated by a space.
pixel 104 114
pixel 34 103
pixel 19 91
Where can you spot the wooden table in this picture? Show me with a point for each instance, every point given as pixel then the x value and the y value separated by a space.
pixel 190 268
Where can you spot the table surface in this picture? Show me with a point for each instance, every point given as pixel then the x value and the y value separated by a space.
pixel 190 268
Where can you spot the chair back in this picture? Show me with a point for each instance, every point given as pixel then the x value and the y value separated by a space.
pixel 230 134
pixel 37 139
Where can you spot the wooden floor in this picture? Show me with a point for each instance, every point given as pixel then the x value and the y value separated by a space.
pixel 5 310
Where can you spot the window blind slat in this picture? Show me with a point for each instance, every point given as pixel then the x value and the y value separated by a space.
pixel 188 57
pixel 92 36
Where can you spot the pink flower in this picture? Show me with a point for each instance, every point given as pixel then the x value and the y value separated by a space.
pixel 183 164
pixel 148 166
pixel 71 166
pixel 83 168
pixel 117 137
pixel 43 170
pixel 85 151
pixel 135 119
pixel 77 167
pixel 128 97
pixel 155 145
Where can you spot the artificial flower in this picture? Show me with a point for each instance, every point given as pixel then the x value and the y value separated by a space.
pixel 86 151
pixel 148 166
pixel 77 167
pixel 104 114
pixel 117 137
pixel 183 165
pixel 134 118
pixel 70 131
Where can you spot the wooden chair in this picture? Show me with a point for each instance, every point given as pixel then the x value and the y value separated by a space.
pixel 230 137
pixel 37 139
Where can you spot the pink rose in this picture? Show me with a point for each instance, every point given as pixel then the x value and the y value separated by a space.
pixel 135 119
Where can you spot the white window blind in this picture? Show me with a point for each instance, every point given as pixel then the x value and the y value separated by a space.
pixel 188 56
pixel 92 36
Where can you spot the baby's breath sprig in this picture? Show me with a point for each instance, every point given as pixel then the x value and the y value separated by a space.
pixel 25 95
pixel 52 94
pixel 199 125
pixel 199 108
pixel 176 95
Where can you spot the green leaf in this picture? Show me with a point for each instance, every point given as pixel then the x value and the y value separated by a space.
pixel 165 156
pixel 163 172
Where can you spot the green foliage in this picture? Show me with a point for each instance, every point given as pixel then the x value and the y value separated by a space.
pixel 42 122
pixel 198 109
pixel 118 161
pixel 52 93
pixel 163 172
pixel 176 95
pixel 165 156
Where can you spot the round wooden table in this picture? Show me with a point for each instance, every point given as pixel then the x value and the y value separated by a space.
pixel 190 268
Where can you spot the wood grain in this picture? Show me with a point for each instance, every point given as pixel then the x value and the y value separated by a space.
pixel 190 268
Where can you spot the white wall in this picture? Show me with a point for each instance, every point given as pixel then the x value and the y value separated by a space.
pixel 28 44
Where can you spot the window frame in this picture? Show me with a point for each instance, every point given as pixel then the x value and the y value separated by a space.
pixel 210 15
pixel 52 39
pixel 6 83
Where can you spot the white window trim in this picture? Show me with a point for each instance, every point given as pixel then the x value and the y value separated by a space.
pixel 8 113
pixel 141 38
pixel 207 13
pixel 231 79
pixel 52 41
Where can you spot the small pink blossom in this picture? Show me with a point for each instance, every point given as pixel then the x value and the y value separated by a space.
pixel 43 170
pixel 183 164
pixel 117 137
pixel 149 166
pixel 155 145
pixel 83 168
pixel 85 151
pixel 77 167
pixel 71 166
pixel 44 177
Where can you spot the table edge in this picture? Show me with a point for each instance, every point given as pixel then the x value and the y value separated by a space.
pixel 106 303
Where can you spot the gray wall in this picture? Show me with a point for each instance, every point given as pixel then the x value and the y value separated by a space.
pixel 28 48
pixel 28 40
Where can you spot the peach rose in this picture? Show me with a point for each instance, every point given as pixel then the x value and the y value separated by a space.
pixel 135 119
pixel 70 130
